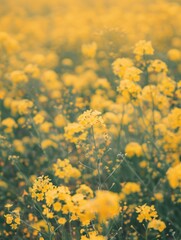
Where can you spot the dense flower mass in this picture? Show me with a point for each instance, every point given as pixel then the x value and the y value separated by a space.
pixel 90 120
pixel 146 213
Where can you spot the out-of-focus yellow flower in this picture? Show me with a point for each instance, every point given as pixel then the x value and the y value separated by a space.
pixel 32 70
pixel 45 126
pixel 9 218
pixel 93 236
pixel 9 43
pixel 60 121
pixel 89 50
pixel 159 196
pixel 24 106
pixel 132 74
pixel 174 176
pixel 48 143
pixel 120 65
pixel 18 145
pixel 130 187
pixel 38 118
pixel 167 86
pixel 18 77
pixel 157 225
pixel 13 219
pixel 74 132
pixel 174 54
pixel 9 123
pixel 133 149
pixel 62 221
pixel 105 205
pixel 143 48
pixel 129 90
pixel 85 190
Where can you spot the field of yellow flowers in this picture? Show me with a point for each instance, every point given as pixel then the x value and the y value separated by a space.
pixel 90 120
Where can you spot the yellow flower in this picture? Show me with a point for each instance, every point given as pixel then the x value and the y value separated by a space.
pixel 8 205
pixel 42 224
pixel 157 225
pixel 143 48
pixel 18 145
pixel 174 176
pixel 18 77
pixel 74 132
pixel 120 65
pixel 32 70
pixel 14 226
pixel 90 118
pixel 9 44
pixel 132 74
pixel 9 123
pixel 133 149
pixel 174 54
pixel 146 213
pixel 45 127
pixel 105 205
pixel 17 220
pixel 85 190
pixel 60 121
pixel 157 66
pixel 24 106
pixel 40 186
pixel 62 221
pixel 174 118
pixel 129 90
pixel 13 219
pixel 48 213
pixel 50 80
pixel 38 118
pixel 167 86
pixel 89 50
pixel 57 206
pixel 143 164
pixel 48 143
pixel 9 218
pixel 93 236
pixel 64 170
pixel 159 196
pixel 130 187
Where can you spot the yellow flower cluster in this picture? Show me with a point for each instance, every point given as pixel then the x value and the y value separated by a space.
pixel 89 50
pixel 129 90
pixel 143 48
pixel 93 236
pixel 157 225
pixel 64 170
pixel 133 149
pixel 90 120
pixel 105 205
pixel 94 110
pixel 123 67
pixel 40 187
pixel 146 213
pixel 9 124
pixel 13 219
pixel 129 188
pixel 80 206
pixel 149 214
pixel 120 66
pixel 174 176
